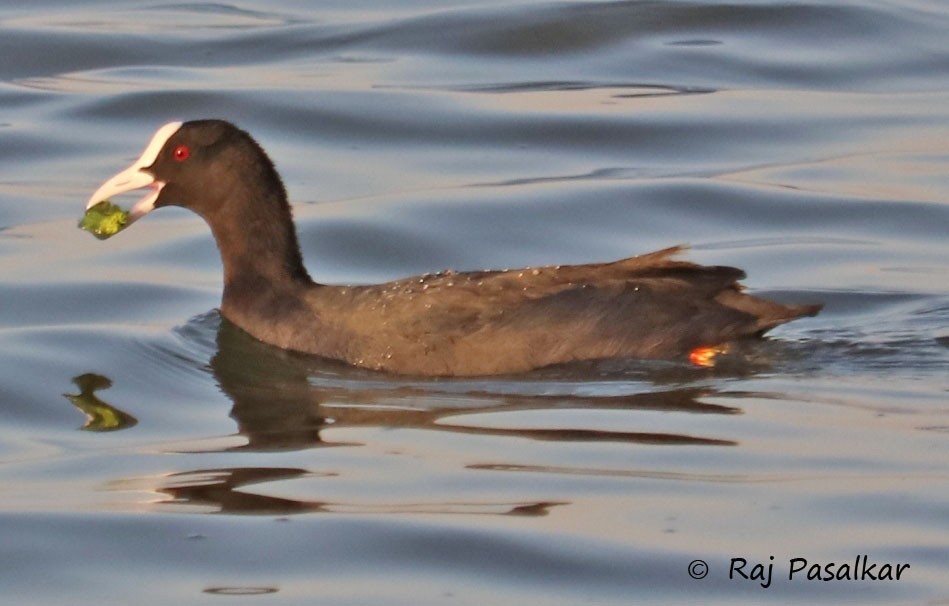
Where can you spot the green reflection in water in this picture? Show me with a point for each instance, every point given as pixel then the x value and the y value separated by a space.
pixel 100 416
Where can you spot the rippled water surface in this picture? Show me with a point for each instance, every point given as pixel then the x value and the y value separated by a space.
pixel 151 454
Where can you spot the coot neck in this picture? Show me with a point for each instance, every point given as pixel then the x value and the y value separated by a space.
pixel 258 243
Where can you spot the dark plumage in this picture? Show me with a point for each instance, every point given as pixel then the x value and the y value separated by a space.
pixel 473 323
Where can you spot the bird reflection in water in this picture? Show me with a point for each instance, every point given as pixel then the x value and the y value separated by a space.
pixel 277 407
pixel 284 401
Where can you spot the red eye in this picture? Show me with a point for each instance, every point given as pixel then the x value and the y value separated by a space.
pixel 181 153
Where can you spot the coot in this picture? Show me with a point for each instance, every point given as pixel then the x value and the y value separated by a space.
pixel 446 324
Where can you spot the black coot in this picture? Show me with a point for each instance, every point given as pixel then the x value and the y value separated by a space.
pixel 475 323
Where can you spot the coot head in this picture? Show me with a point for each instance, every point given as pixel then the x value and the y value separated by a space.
pixel 218 171
pixel 203 165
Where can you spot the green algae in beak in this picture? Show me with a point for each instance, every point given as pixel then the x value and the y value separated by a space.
pixel 104 220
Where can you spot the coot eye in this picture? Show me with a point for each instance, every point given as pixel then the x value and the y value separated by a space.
pixel 181 153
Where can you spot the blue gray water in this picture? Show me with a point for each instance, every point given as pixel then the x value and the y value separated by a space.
pixel 151 455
